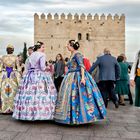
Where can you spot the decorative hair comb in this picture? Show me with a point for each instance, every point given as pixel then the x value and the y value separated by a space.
pixel 38 43
pixel 74 41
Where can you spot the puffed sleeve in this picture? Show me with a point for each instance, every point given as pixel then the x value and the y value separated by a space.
pixel 42 62
pixel 27 64
pixel 79 59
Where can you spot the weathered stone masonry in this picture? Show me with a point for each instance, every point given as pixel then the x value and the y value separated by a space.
pixel 93 32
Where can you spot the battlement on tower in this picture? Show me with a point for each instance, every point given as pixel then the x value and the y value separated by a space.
pixel 81 17
pixel 94 33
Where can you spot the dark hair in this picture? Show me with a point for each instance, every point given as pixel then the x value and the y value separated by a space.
pixel 10 50
pixel 38 45
pixel 60 56
pixel 31 48
pixel 74 44
pixel 120 58
pixel 53 62
pixel 50 61
pixel 66 59
pixel 46 63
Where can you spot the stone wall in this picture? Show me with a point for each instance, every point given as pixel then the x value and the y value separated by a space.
pixel 93 32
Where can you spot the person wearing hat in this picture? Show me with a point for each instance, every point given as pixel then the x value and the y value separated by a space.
pixel 9 80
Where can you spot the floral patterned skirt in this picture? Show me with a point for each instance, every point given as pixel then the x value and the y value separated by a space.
pixel 8 90
pixel 79 104
pixel 36 97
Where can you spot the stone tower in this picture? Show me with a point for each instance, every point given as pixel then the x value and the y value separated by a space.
pixel 94 33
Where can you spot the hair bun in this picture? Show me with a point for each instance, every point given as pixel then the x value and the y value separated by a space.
pixel 37 45
pixel 75 44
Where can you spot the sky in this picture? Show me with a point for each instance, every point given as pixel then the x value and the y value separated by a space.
pixel 17 25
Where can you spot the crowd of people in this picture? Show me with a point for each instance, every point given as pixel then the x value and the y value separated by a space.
pixel 64 90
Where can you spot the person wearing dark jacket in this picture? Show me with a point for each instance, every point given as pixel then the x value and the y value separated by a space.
pixel 59 71
pixel 109 72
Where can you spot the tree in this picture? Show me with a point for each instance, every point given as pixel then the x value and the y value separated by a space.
pixel 24 54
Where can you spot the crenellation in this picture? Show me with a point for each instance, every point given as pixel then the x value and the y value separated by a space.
pixel 49 16
pixel 63 16
pixel 82 17
pixel 76 17
pixel 122 17
pixel 116 17
pixel 56 16
pixel 96 17
pixel 43 16
pixel 69 16
pixel 89 17
pixel 94 32
pixel 103 18
pixel 36 16
pixel 109 17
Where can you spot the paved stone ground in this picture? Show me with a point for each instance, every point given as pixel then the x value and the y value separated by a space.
pixel 122 124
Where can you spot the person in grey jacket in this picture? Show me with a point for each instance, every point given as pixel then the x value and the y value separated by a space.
pixel 109 72
pixel 59 71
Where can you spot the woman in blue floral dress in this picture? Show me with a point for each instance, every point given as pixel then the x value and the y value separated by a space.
pixel 79 99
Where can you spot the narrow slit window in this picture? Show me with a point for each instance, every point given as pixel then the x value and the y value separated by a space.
pixel 79 36
pixel 87 36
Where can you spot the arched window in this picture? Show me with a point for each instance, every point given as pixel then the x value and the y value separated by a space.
pixel 79 36
pixel 87 36
pixel 51 47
